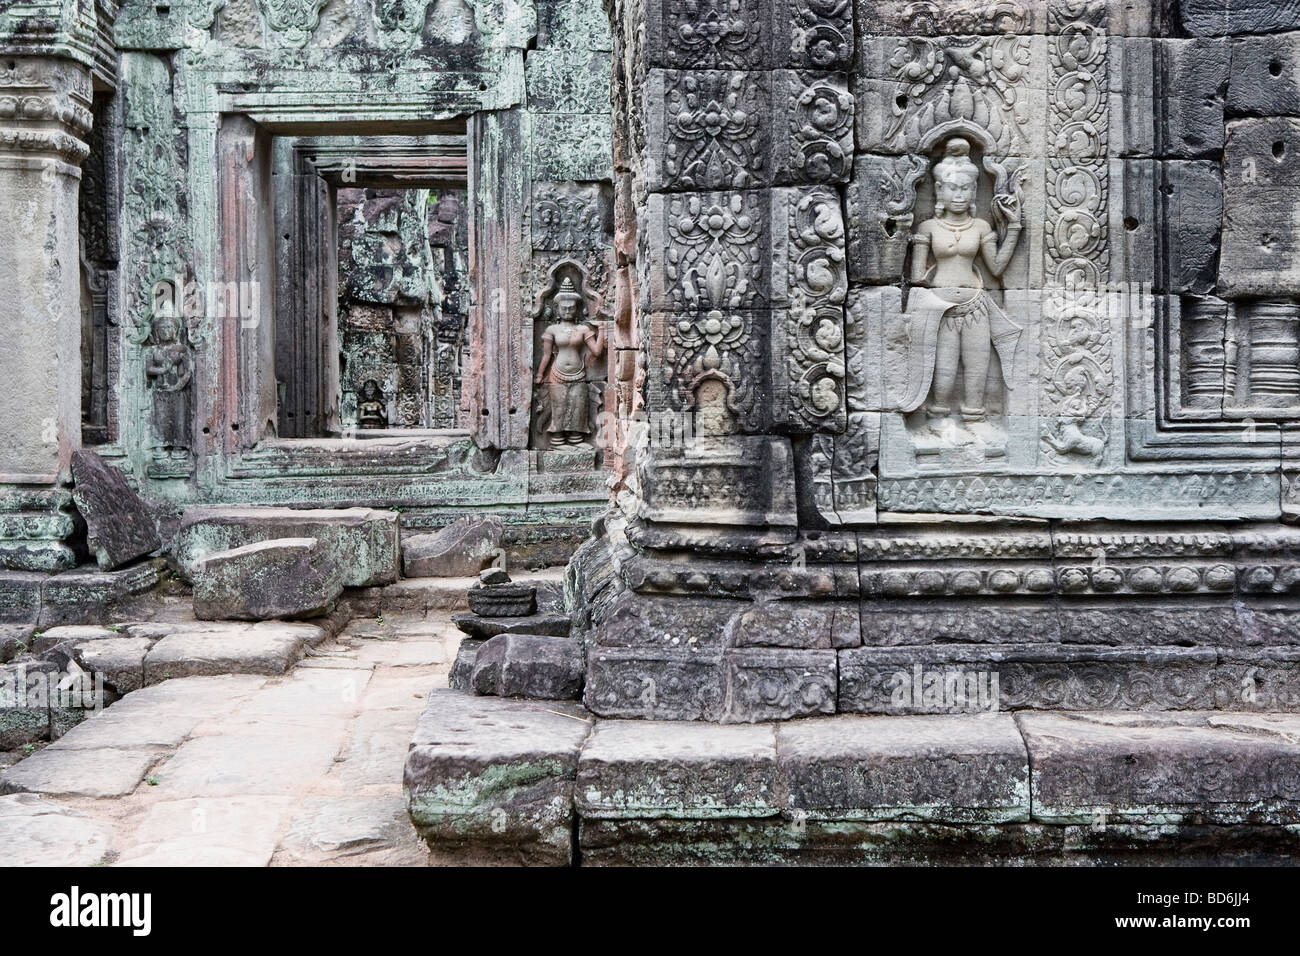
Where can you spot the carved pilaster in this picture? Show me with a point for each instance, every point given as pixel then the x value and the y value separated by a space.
pixel 44 121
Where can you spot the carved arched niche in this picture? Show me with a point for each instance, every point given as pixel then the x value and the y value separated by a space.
pixel 568 280
pixel 953 416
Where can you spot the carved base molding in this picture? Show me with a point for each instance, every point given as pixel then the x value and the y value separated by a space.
pixel 914 620
pixel 33 527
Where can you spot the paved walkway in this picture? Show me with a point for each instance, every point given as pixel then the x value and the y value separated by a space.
pixel 304 769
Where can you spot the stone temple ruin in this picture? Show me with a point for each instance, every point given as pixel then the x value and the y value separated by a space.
pixel 908 389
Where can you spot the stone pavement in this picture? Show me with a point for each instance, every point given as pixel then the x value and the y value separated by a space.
pixel 304 768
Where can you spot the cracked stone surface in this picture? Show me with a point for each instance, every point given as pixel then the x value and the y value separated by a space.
pixel 302 768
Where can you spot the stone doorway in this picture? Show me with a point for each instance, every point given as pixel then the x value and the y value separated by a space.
pixel 372 252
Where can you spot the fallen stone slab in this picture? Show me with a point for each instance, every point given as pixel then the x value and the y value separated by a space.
pixel 491 780
pixel 119 526
pixel 529 665
pixel 550 624
pixel 639 768
pixel 270 649
pixel 35 831
pixel 364 542
pixel 280 578
pixel 108 772
pixel 950 769
pixel 1169 768
pixel 463 548
pixel 462 668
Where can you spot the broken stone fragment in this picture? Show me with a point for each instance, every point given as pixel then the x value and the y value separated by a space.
pixel 503 600
pixel 119 527
pixel 529 665
pixel 362 541
pixel 493 576
pixel 285 578
pixel 550 624
pixel 462 669
pixel 459 550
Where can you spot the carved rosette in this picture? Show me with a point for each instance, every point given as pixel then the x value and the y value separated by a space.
pixel 1078 375
pixel 714 137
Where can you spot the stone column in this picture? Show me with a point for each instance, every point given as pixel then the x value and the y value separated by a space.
pixel 44 122
pixel 739 141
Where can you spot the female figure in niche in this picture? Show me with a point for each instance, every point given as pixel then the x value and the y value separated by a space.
pixel 168 368
pixel 568 346
pixel 954 324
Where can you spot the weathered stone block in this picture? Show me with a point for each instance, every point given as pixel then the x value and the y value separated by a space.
pixel 529 665
pixel 1261 238
pixel 954 769
pixel 461 549
pixel 502 600
pixel 119 659
pixel 964 678
pixel 462 668
pixel 807 625
pixel 551 624
pixel 492 780
pixel 778 683
pixel 684 225
pixel 1194 208
pixel 1221 17
pixel 271 648
pixel 561 80
pixel 654 684
pixel 70 634
pixel 282 578
pixel 1265 76
pixel 1164 769
pixel 20 596
pixel 636 768
pixel 1195 76
pixel 364 542
pixel 119 527
pixel 880 201
pixel 105 772
pixel 810 842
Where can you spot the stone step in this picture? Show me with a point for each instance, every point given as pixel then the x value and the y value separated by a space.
pixel 1095 787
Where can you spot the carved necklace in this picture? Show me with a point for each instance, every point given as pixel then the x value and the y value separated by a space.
pixel 956 231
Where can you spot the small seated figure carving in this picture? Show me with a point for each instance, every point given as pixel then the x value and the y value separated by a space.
pixel 372 412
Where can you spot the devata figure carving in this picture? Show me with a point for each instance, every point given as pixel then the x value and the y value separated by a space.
pixel 169 367
pixel 568 347
pixel 954 324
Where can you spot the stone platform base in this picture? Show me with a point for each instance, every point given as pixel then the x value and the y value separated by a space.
pixel 492 780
